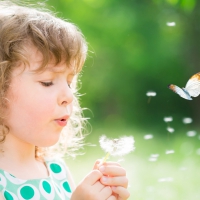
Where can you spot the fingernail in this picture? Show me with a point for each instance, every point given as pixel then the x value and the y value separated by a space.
pixel 102 168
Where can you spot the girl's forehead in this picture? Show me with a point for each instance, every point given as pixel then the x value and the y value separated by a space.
pixel 35 59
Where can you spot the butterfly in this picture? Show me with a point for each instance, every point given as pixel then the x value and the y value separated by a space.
pixel 192 88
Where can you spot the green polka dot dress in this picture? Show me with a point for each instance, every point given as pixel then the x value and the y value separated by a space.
pixel 55 187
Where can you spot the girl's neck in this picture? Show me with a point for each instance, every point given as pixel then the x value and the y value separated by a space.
pixel 17 150
pixel 18 158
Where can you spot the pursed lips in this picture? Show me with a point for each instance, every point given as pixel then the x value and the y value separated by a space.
pixel 62 121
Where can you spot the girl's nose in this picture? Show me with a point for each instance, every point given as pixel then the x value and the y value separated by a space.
pixel 66 96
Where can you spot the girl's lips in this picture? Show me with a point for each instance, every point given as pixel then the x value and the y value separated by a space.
pixel 61 122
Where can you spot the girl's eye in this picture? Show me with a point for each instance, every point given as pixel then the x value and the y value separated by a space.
pixel 46 84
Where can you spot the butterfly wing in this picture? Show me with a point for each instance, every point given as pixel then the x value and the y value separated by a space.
pixel 193 85
pixel 179 91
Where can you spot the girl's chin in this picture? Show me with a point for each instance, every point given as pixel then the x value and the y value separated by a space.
pixel 48 143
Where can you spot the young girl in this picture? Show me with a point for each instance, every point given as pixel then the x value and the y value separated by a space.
pixel 40 118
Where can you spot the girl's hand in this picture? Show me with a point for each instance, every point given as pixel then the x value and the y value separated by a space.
pixel 115 176
pixel 92 189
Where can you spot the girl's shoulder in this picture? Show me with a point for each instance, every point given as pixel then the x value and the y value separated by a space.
pixel 55 186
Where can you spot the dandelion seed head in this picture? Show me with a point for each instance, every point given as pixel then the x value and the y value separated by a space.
pixel 168 119
pixel 117 147
pixel 170 129
pixel 191 133
pixel 187 120
pixel 151 94
pixel 148 136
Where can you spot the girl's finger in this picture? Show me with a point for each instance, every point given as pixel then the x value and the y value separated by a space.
pixel 115 181
pixel 96 164
pixel 112 170
pixel 106 192
pixel 110 163
pixel 92 177
pixel 122 192
pixel 112 198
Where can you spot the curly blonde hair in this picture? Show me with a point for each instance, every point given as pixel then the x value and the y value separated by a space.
pixel 56 39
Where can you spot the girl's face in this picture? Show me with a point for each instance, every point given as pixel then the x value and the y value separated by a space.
pixel 39 104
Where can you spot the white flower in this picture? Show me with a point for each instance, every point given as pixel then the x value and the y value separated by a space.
pixel 117 147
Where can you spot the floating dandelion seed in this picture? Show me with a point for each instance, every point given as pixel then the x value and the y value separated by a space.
pixel 168 119
pixel 171 23
pixel 150 94
pixel 170 151
pixel 198 151
pixel 170 129
pixel 148 137
pixel 153 157
pixel 183 168
pixel 168 179
pixel 187 120
pixel 191 133
pixel 116 147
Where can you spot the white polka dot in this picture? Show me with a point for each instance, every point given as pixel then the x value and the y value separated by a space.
pixel 3 181
pixel 13 179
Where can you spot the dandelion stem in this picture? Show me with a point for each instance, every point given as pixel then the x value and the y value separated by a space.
pixel 106 157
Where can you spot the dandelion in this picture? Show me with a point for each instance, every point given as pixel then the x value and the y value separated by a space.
pixel 150 94
pixel 116 147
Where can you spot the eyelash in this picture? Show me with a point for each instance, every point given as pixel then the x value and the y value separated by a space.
pixel 47 84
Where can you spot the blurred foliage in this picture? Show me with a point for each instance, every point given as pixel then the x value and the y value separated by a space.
pixel 132 51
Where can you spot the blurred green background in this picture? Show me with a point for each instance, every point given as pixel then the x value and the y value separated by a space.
pixel 136 46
